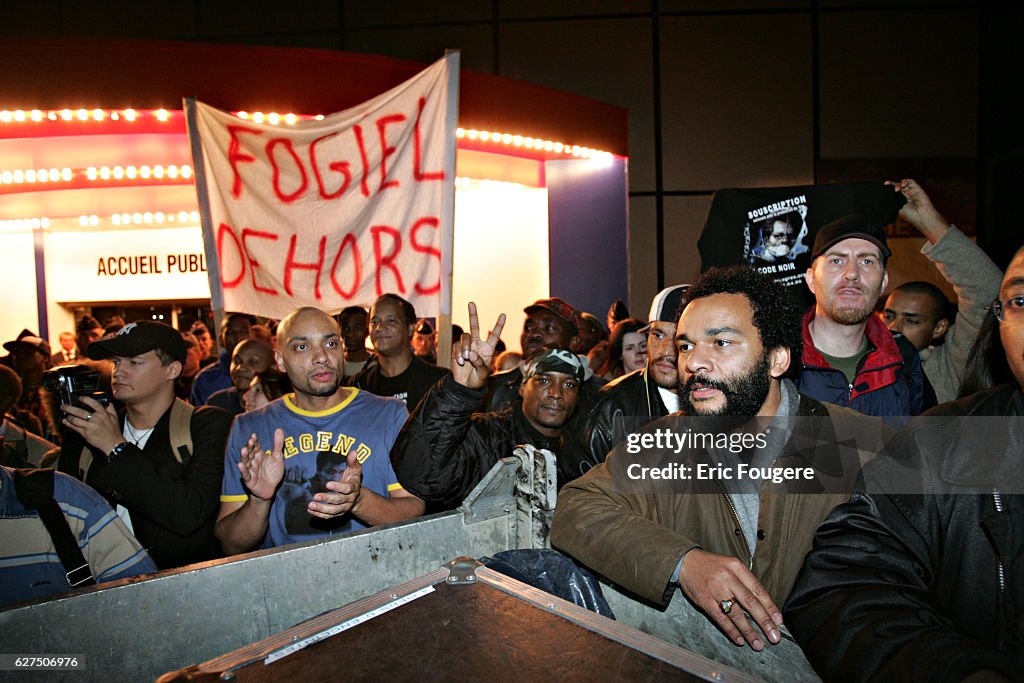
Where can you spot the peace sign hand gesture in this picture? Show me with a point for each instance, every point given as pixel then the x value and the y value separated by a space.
pixel 471 355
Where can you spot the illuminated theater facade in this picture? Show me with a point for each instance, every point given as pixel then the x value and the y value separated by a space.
pixel 98 210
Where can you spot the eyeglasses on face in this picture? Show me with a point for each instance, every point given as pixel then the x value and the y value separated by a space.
pixel 1013 308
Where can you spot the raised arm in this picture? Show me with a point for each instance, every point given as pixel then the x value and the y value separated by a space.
pixel 919 210
pixel 438 456
pixel 967 268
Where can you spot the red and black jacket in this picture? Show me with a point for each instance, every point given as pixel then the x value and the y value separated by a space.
pixel 889 384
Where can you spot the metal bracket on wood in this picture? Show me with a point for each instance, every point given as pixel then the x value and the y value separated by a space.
pixel 462 571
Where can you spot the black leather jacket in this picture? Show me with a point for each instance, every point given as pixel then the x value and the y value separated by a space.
pixel 445 448
pixel 623 405
pixel 924 582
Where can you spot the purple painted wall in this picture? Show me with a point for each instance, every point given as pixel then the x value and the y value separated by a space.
pixel 588 233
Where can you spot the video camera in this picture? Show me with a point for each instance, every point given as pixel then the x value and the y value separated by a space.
pixel 71 382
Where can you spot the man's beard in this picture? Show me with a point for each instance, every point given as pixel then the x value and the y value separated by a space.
pixel 744 394
pixel 323 388
pixel 850 315
pixel 656 375
pixel 854 315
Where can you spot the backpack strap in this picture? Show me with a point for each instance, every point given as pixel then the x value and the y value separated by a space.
pixel 35 491
pixel 15 451
pixel 84 462
pixel 181 430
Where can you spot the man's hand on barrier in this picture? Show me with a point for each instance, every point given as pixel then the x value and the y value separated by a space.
pixel 723 587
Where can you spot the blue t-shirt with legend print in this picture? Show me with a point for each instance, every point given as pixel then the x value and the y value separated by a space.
pixel 316 449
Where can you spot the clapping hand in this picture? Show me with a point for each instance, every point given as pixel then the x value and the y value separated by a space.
pixel 341 495
pixel 262 471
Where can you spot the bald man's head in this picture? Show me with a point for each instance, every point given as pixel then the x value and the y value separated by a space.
pixel 304 313
pixel 310 351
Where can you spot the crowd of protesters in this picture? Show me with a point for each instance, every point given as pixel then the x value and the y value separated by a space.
pixel 187 446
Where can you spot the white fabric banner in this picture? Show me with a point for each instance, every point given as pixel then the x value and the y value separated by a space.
pixel 334 212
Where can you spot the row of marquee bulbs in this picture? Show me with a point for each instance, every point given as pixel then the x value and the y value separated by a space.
pixel 86 221
pixel 184 172
pixel 94 173
pixel 274 118
pixel 142 218
pixel 38 115
pixel 532 143
pixel 172 172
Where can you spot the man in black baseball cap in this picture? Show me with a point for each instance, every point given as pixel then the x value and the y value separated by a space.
pixel 851 227
pixel 159 460
pixel 30 357
pixel 137 338
pixel 424 341
pixel 849 356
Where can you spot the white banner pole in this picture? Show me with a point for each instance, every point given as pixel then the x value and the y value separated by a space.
pixel 205 217
pixel 444 317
